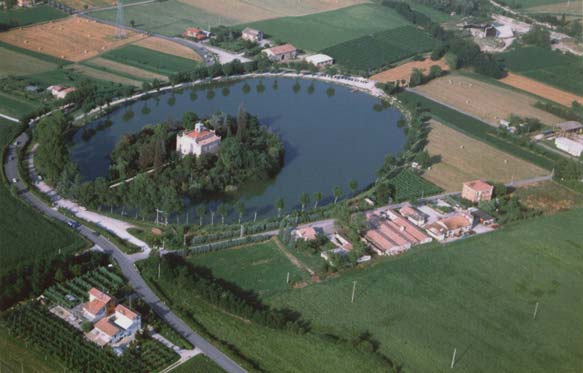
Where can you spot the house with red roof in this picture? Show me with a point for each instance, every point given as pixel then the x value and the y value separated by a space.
pixel 477 191
pixel 455 225
pixel 305 233
pixel 99 305
pixel 196 33
pixel 198 141
pixel 281 53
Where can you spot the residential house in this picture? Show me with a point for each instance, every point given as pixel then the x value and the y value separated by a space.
pixel 99 305
pixel 196 33
pixel 452 226
pixel 105 332
pixel 281 53
pixel 198 141
pixel 251 34
pixel 320 60
pixel 126 319
pixel 305 233
pixel 60 92
pixel 477 191
pixel 414 215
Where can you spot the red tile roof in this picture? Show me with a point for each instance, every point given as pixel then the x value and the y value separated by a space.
pixel 99 295
pixel 307 233
pixel 106 327
pixel 94 307
pixel 126 312
pixel 478 185
pixel 283 49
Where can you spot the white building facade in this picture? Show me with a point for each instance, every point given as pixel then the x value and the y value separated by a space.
pixel 571 146
pixel 198 141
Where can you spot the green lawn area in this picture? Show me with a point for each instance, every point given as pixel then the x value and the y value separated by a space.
pixel 198 364
pixel 319 31
pixel 150 60
pixel 166 17
pixel 260 267
pixel 25 233
pixel 476 295
pixel 28 16
pixel 551 67
pixel 476 129
pixel 382 48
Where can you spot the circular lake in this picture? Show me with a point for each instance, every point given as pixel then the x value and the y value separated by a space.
pixel 330 136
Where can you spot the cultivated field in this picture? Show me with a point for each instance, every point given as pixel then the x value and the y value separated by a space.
pixel 550 197
pixel 410 186
pixel 541 89
pixel 14 63
pixel 103 75
pixel 73 38
pixel 381 48
pixel 147 59
pixel 81 4
pixel 574 7
pixel 550 67
pixel 486 101
pixel 461 158
pixel 117 67
pixel 533 3
pixel 168 47
pixel 27 16
pixel 255 10
pixel 403 72
pixel 319 31
pixel 16 106
pixel 476 295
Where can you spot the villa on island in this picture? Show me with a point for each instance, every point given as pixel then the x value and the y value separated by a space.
pixel 198 141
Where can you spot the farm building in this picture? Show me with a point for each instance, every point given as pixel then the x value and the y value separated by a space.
pixel 477 190
pixel 452 226
pixel 573 146
pixel 281 53
pixel 196 33
pixel 198 141
pixel 415 216
pixel 99 305
pixel 570 127
pixel 24 3
pixel 251 34
pixel 320 60
pixel 60 92
pixel 391 234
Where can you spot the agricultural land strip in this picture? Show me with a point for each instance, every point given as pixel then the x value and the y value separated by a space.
pixel 168 47
pixel 461 158
pixel 486 101
pixel 28 16
pixel 574 8
pixel 541 89
pixel 104 75
pixel 16 106
pixel 73 38
pixel 403 72
pixel 550 67
pixel 319 31
pixel 550 197
pixel 15 63
pixel 147 59
pixel 123 69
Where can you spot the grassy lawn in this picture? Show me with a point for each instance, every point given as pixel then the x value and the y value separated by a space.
pixel 28 16
pixel 199 364
pixel 167 17
pixel 316 32
pixel 262 267
pixel 150 60
pixel 551 67
pixel 476 129
pixel 25 233
pixel 381 48
pixel 476 295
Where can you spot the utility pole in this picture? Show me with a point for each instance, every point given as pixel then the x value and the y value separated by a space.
pixel 353 291
pixel 453 358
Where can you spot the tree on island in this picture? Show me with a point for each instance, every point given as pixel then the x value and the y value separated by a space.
pixel 241 123
pixel 304 200
pixel 317 198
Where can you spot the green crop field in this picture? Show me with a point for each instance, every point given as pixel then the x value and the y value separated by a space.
pixel 553 68
pixel 24 233
pixel 531 3
pixel 15 106
pixel 150 60
pixel 381 48
pixel 476 129
pixel 409 186
pixel 323 30
pixel 261 267
pixel 28 16
pixel 199 364
pixel 476 295
pixel 435 15
pixel 167 17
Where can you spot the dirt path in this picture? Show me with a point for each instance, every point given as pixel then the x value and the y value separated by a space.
pixel 295 261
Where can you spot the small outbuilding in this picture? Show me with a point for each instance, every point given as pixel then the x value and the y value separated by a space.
pixel 320 60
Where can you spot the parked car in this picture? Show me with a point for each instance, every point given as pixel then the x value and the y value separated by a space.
pixel 73 224
pixel 14 180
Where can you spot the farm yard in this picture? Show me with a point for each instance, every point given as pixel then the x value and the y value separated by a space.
pixel 168 47
pixel 403 71
pixel 382 48
pixel 150 60
pixel 73 38
pixel 541 89
pixel 323 30
pixel 461 158
pixel 410 186
pixel 550 67
pixel 421 305
pixel 488 102
pixel 27 16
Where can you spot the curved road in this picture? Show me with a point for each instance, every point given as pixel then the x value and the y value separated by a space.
pixel 126 265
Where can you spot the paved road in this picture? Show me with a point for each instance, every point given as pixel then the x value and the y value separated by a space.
pixel 126 265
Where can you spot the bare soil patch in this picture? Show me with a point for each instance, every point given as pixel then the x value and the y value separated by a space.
pixel 256 10
pixel 461 158
pixel 541 89
pixel 403 72
pixel 73 38
pixel 483 100
pixel 165 46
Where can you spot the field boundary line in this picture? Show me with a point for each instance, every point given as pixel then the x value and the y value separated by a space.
pixel 295 261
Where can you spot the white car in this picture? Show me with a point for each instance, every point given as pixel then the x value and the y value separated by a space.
pixel 14 180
